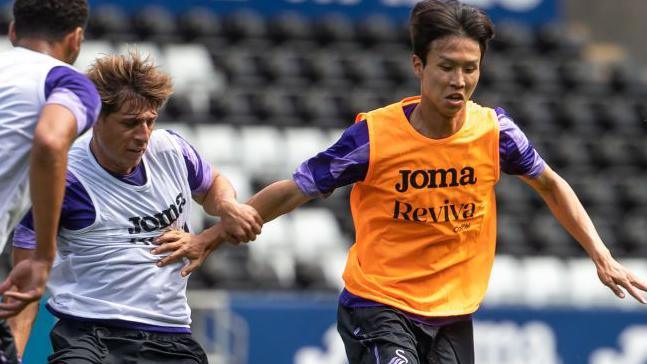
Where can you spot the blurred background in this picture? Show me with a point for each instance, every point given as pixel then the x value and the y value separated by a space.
pixel 261 85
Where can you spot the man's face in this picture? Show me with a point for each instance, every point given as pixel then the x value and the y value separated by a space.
pixel 123 135
pixel 451 73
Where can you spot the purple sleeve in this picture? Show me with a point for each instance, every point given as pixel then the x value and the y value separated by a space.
pixel 77 213
pixel 73 90
pixel 200 174
pixel 343 163
pixel 517 155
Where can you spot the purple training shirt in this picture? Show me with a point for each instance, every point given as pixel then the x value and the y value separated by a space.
pixel 347 160
pixel 69 88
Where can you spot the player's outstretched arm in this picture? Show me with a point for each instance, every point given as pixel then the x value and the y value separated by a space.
pixel 278 199
pixel 273 201
pixel 240 222
pixel 568 210
pixel 55 131
pixel 22 323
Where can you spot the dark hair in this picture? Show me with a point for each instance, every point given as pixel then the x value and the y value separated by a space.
pixel 49 19
pixel 434 19
pixel 122 79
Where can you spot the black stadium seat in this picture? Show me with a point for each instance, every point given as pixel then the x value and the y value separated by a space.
pixel 199 23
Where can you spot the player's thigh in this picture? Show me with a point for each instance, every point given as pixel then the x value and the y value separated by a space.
pixel 152 348
pixel 376 335
pixel 75 343
pixel 7 345
pixel 454 344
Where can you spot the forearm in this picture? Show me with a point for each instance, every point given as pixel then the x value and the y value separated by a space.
pixel 220 193
pixel 21 326
pixel 55 132
pixel 568 210
pixel 277 199
pixel 47 180
pixel 22 323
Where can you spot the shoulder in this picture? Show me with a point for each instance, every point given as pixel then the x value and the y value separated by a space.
pixel 65 77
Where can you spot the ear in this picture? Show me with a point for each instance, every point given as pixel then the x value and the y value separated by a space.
pixel 75 39
pixel 12 33
pixel 418 66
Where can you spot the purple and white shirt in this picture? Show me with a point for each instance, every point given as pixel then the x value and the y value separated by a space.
pixel 104 271
pixel 346 162
pixel 78 211
pixel 28 81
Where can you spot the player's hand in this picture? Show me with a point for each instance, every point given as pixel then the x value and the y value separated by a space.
pixel 614 275
pixel 240 222
pixel 25 284
pixel 180 244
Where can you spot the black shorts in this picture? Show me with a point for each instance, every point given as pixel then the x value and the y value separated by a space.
pixel 77 342
pixel 8 353
pixel 385 335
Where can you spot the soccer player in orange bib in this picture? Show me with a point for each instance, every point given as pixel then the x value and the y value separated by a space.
pixel 424 171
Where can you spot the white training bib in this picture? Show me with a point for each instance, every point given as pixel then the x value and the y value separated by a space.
pixel 22 97
pixel 106 270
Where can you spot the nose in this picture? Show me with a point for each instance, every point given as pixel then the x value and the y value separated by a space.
pixel 457 79
pixel 143 133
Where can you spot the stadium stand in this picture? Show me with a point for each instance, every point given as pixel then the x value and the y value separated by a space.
pixel 256 96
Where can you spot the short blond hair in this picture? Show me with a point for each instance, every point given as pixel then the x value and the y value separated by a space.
pixel 131 79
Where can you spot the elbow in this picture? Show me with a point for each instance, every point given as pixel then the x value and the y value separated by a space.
pixel 49 148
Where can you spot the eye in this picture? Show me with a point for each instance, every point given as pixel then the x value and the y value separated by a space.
pixel 445 67
pixel 470 69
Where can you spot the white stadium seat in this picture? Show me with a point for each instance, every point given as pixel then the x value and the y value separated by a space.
pixel 301 144
pixel 505 281
pixel 90 51
pixel 193 74
pixel 219 144
pixel 542 281
pixel 263 151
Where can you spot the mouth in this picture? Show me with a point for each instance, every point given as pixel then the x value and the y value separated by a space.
pixel 137 150
pixel 455 99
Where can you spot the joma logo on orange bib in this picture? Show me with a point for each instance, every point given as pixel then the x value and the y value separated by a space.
pixel 434 178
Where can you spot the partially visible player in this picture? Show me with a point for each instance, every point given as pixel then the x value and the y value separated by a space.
pixel 44 105
pixel 126 184
pixel 424 171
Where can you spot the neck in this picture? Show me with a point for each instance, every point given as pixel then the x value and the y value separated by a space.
pixel 42 46
pixel 430 123
pixel 106 162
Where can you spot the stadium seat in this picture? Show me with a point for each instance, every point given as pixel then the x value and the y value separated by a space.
pixel 244 25
pixel 262 151
pixel 274 248
pixel 110 21
pixel 301 144
pixel 196 81
pixel 376 30
pixel 145 49
pixel 543 278
pixel 91 50
pixel 155 23
pixel 199 23
pixel 505 281
pixel 585 289
pixel 218 144
pixel 550 238
pixel 315 233
pixel 289 26
pixel 240 179
pixel 334 28
pixel 5 44
pixel 512 237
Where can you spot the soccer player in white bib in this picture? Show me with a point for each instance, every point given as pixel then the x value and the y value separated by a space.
pixel 126 184
pixel 44 105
